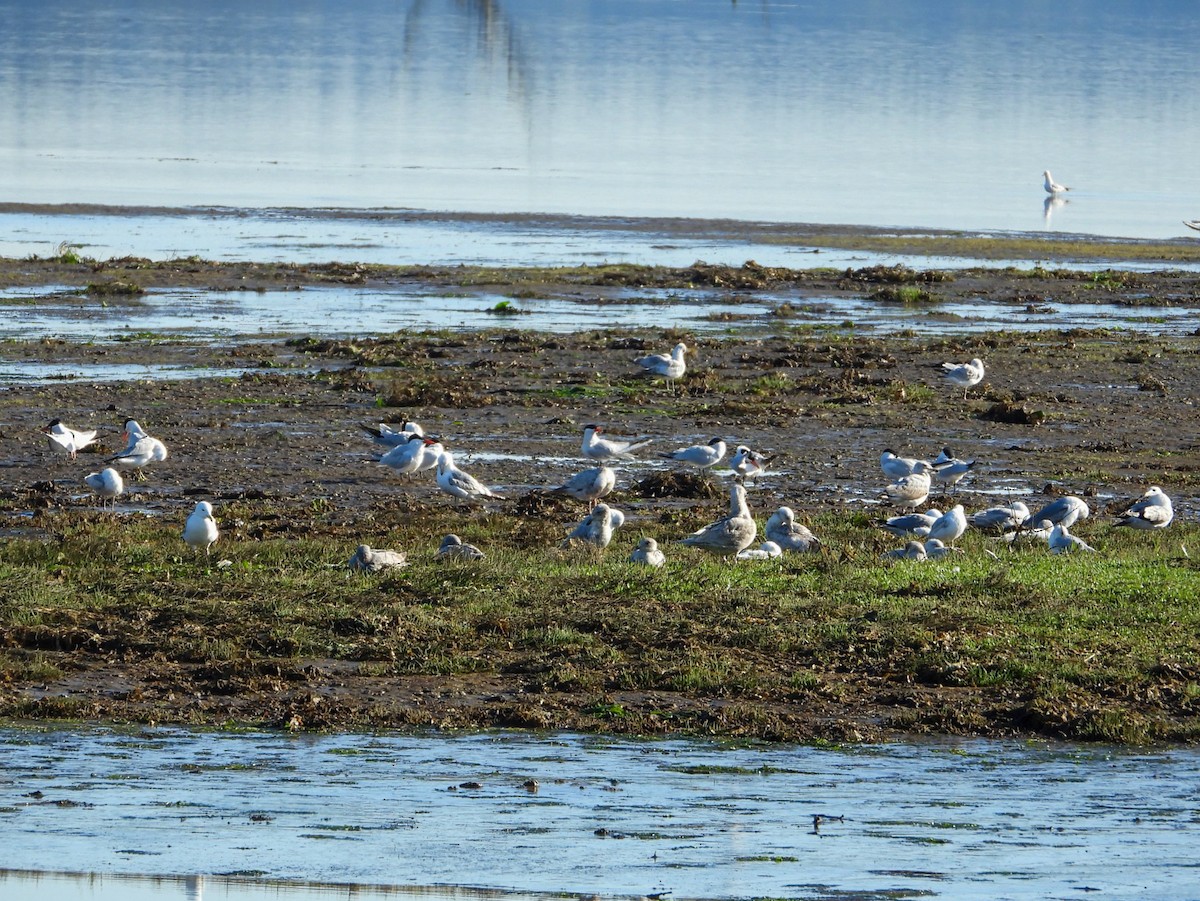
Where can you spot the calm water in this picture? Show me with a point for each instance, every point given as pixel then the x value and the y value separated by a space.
pixel 961 820
pixel 930 113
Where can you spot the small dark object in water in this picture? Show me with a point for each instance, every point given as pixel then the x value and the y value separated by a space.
pixel 819 818
pixel 470 785
pixel 1017 414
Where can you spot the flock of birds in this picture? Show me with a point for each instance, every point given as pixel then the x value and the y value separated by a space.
pixel 408 451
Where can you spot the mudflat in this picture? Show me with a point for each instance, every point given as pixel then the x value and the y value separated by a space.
pixel 112 617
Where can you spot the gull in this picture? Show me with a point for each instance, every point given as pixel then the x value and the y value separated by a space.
pixel 948 470
pixel 453 548
pixel 912 523
pixel 1063 542
pixel 108 484
pixel 964 375
pixel 948 528
pixel 1152 511
pixel 748 464
pixel 914 550
pixel 142 450
pixel 670 366
pixel 200 530
pixel 455 482
pixel 1041 532
pixel 597 527
pixel 768 550
pixel 789 535
pixel 730 534
pixel 65 440
pixel 1065 511
pixel 368 560
pixel 912 490
pixel 413 456
pixel 608 450
pixel 589 485
pixel 896 467
pixel 1051 186
pixel 702 456
pixel 1192 223
pixel 936 550
pixel 647 553
pixel 1000 518
pixel 386 436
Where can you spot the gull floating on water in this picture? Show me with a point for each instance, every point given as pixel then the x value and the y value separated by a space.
pixel 457 483
pixel 789 535
pixel 1063 542
pixel 730 534
pixel 453 548
pixel 589 485
pixel 748 464
pixel 66 440
pixel 670 366
pixel 597 527
pixel 702 456
pixel 385 436
pixel 1000 518
pixel 912 490
pixel 200 530
pixel 948 528
pixel 1152 511
pixel 1051 186
pixel 368 560
pixel 917 524
pixel 108 485
pixel 964 375
pixel 647 553
pixel 1065 511
pixel 141 451
pixel 896 467
pixel 608 450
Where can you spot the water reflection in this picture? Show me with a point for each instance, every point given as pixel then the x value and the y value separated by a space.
pixel 1050 205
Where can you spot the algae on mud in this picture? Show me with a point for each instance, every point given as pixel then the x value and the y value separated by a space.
pixel 111 619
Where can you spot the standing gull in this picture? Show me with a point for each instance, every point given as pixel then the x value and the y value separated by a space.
pixel 728 535
pixel 670 366
pixel 141 451
pixel 108 485
pixel 455 482
pixel 597 527
pixel 200 530
pixel 589 485
pixel 912 490
pixel 964 375
pixel 948 528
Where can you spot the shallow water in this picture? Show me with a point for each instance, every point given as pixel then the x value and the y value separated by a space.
pixel 953 819
pixel 926 114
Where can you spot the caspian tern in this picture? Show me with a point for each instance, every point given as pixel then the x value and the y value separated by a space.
pixel 748 464
pixel 66 440
pixel 608 450
pixel 385 436
pixel 417 455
